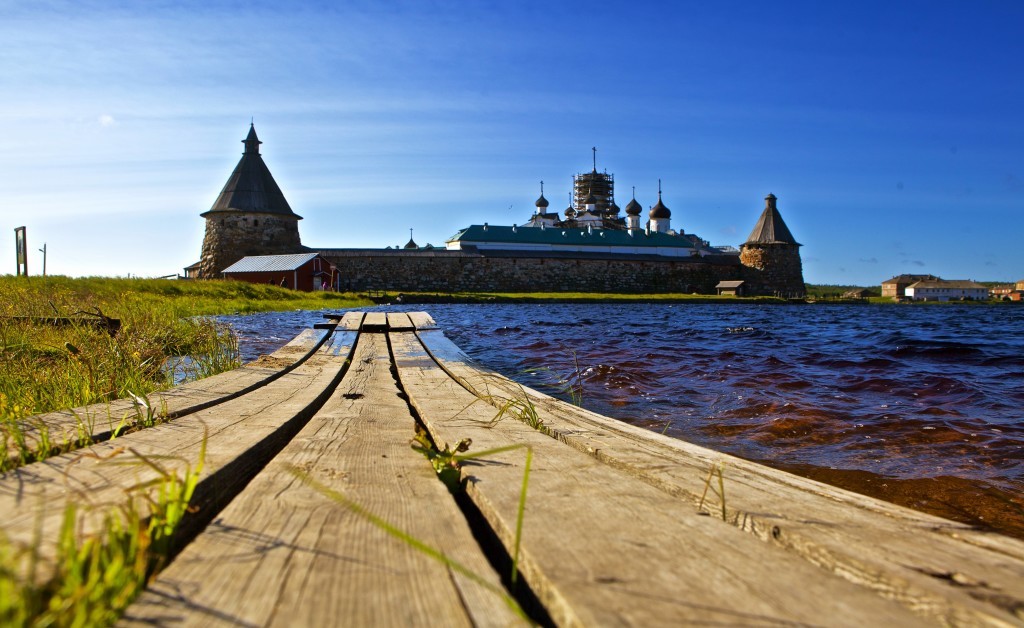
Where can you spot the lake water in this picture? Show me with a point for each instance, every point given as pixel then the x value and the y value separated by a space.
pixel 919 405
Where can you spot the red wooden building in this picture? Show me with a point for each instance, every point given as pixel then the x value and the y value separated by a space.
pixel 300 271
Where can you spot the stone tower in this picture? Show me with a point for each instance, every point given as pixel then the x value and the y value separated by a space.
pixel 771 256
pixel 249 217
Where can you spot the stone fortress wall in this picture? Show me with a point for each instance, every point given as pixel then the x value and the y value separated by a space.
pixel 456 271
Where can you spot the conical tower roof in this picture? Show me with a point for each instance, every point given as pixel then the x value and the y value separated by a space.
pixel 770 228
pixel 251 187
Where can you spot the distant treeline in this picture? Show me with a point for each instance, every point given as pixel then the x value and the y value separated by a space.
pixel 825 291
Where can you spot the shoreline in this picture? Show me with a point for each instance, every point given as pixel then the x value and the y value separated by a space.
pixel 426 298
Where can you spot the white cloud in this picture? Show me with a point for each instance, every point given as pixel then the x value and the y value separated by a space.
pixel 107 120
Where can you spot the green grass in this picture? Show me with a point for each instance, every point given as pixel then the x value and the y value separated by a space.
pixel 184 298
pixel 45 368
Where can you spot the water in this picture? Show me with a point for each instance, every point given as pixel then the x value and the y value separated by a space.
pixel 921 406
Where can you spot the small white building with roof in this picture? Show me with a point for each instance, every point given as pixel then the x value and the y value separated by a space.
pixel 947 290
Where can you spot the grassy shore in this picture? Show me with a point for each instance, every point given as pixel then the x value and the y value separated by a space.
pixel 45 367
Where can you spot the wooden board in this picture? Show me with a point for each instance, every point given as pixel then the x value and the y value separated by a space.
pixel 351 321
pixel 99 421
pixel 375 322
pixel 602 547
pixel 422 320
pixel 283 553
pixel 240 436
pixel 398 321
pixel 938 568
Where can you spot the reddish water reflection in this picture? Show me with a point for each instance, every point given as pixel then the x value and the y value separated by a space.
pixel 917 405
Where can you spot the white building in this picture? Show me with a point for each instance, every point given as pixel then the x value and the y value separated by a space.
pixel 943 290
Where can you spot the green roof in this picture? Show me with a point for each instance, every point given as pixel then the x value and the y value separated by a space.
pixel 562 236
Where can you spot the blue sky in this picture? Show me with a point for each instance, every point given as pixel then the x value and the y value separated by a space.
pixel 892 132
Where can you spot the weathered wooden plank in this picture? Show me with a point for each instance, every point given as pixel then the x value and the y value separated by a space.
pixel 98 422
pixel 240 436
pixel 601 547
pixel 938 568
pixel 302 559
pixel 422 320
pixel 351 321
pixel 375 322
pixel 399 321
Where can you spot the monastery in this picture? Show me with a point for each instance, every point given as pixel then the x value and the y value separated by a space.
pixel 591 247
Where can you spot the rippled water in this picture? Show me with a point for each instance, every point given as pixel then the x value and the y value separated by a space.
pixel 918 405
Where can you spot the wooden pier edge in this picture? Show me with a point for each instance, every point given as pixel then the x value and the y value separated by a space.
pixel 310 484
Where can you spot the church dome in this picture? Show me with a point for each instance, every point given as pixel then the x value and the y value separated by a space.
pixel 542 202
pixel 633 208
pixel 659 210
pixel 570 212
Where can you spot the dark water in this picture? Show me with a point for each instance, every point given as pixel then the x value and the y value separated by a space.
pixel 918 405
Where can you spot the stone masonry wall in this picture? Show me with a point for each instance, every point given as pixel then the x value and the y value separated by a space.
pixel 773 269
pixel 232 236
pixel 412 272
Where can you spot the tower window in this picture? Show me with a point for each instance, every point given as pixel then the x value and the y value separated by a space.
pixel 255 223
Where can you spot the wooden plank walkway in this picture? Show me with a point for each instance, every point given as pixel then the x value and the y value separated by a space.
pixel 306 469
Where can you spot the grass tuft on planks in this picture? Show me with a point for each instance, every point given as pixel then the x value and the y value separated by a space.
pixel 98 576
pixel 448 463
pixel 717 468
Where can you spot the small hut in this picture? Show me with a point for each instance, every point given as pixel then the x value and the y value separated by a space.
pixel 192 271
pixel 734 288
pixel 300 271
